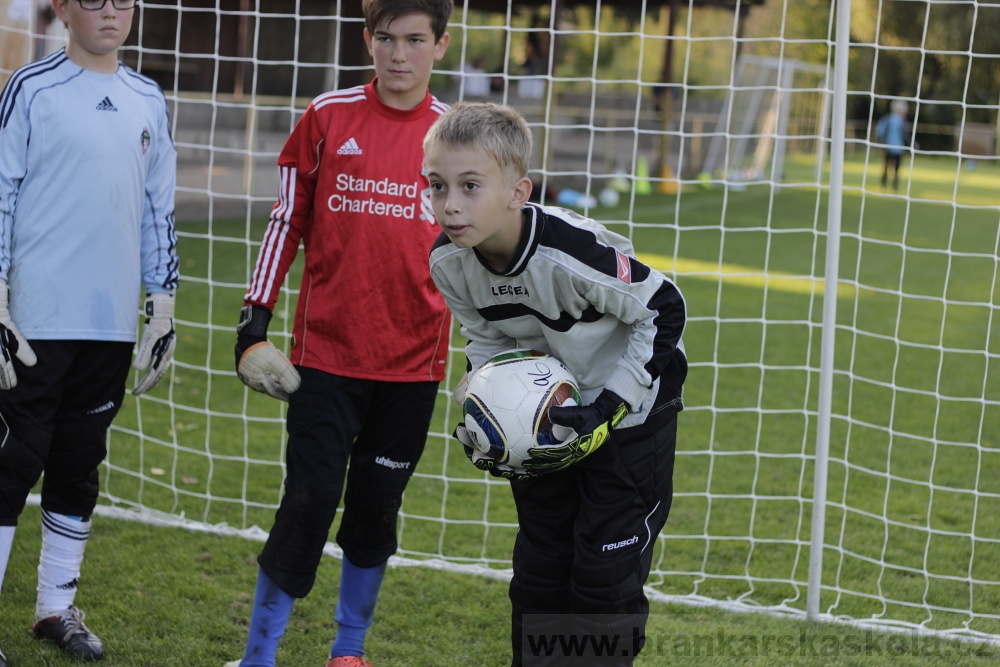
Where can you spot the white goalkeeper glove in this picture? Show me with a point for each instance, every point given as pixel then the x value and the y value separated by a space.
pixel 12 344
pixel 458 393
pixel 261 365
pixel 156 348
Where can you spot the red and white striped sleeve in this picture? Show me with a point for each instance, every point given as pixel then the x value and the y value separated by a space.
pixel 298 166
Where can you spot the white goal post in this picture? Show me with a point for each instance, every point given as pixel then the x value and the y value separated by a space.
pixel 838 455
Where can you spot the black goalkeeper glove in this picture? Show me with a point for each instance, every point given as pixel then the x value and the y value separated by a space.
pixel 260 365
pixel 592 423
pixel 484 462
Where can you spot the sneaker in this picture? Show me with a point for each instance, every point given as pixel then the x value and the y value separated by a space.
pixel 234 663
pixel 348 661
pixel 70 634
pixel 3 660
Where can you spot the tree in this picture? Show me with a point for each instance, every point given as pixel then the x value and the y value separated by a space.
pixel 955 65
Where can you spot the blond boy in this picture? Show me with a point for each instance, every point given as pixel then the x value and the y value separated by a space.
pixel 517 274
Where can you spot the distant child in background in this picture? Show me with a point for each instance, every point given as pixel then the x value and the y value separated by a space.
pixel 475 79
pixel 87 176
pixel 517 274
pixel 892 132
pixel 371 331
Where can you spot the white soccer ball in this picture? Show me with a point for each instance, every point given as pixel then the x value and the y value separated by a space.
pixel 608 197
pixel 507 404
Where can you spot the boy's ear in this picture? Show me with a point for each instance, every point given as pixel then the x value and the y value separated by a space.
pixel 521 192
pixel 60 8
pixel 441 46
pixel 368 42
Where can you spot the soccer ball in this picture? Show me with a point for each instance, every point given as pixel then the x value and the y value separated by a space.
pixel 608 197
pixel 507 404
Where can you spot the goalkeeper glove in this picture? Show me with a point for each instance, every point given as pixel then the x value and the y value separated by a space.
pixel 156 348
pixel 458 393
pixel 592 423
pixel 260 365
pixel 12 344
pixel 484 462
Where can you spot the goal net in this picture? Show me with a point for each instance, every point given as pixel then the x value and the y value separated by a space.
pixel 839 450
pixel 772 102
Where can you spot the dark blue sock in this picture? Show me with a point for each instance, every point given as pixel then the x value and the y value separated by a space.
pixel 359 588
pixel 271 608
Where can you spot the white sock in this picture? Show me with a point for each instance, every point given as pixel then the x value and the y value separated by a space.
pixel 6 542
pixel 63 540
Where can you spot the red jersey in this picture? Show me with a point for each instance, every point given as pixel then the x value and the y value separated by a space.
pixel 353 191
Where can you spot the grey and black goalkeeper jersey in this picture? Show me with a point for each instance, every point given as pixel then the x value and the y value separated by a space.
pixel 576 291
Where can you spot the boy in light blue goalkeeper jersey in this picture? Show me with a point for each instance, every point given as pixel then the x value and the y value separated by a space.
pixel 87 176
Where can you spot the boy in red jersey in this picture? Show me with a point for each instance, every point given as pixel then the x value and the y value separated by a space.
pixel 371 331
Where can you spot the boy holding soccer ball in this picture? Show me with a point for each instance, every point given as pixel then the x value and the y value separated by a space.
pixel 517 274
pixel 371 331
pixel 87 175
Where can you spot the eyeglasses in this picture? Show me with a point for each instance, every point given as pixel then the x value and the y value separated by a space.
pixel 94 5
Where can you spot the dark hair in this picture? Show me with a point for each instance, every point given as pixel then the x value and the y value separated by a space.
pixel 384 12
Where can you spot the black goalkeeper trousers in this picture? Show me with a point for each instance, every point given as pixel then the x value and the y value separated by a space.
pixel 380 428
pixel 56 420
pixel 584 548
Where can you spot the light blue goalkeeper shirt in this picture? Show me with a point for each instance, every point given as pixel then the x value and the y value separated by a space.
pixel 87 177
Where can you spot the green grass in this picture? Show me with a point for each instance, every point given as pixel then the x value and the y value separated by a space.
pixel 169 597
pixel 913 517
pixel 915 394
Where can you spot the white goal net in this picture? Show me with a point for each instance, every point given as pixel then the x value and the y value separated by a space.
pixel 838 455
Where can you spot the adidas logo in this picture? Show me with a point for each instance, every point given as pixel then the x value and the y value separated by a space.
pixel 69 585
pixel 350 147
pixel 106 105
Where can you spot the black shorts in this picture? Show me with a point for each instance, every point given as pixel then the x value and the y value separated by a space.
pixel 56 420
pixel 380 428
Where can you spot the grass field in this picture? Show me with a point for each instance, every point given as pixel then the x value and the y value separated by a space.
pixel 912 530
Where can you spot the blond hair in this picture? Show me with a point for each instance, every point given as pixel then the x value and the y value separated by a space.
pixel 499 131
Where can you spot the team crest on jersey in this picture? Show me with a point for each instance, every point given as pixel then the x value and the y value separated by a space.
pixel 144 139
pixel 624 267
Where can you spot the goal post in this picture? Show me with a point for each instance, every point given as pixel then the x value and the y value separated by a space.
pixel 838 451
pixel 755 124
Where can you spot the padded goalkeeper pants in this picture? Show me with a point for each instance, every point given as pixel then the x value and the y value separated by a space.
pixel 381 428
pixel 584 548
pixel 56 420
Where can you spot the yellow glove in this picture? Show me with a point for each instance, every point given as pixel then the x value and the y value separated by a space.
pixel 592 424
